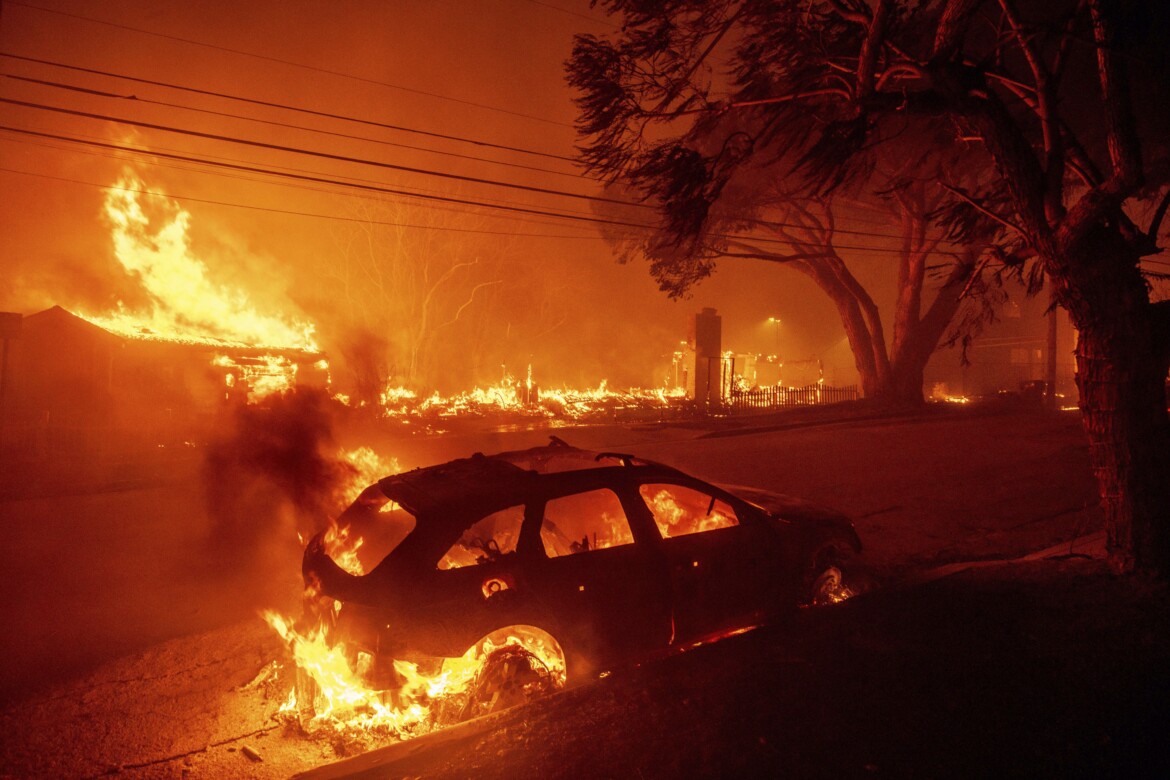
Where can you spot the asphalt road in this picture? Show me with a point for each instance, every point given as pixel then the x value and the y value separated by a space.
pixel 132 636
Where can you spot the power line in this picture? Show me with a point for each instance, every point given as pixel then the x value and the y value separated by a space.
pixel 290 63
pixel 193 199
pixel 402 168
pixel 207 166
pixel 403 193
pixel 312 153
pixel 227 114
pixel 201 165
pixel 137 154
pixel 286 107
pixel 346 118
pixel 765 223
pixel 324 180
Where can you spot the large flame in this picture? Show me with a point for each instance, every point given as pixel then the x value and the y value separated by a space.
pixel 332 695
pixel 333 698
pixel 186 304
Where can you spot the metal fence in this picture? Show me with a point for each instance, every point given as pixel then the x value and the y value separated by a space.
pixel 763 398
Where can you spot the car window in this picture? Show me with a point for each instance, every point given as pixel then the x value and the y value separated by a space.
pixel 367 531
pixel 582 522
pixel 680 510
pixel 488 539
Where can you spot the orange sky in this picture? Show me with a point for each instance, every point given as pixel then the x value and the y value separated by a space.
pixel 487 71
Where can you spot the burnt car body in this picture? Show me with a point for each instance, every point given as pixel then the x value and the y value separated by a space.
pixel 615 557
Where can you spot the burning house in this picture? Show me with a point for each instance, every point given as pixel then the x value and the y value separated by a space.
pixel 75 386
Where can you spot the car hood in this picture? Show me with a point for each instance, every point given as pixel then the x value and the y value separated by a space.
pixel 786 507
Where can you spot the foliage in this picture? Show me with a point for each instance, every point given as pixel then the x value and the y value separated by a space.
pixel 1065 100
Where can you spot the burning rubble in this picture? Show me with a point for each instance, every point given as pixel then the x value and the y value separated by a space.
pixel 513 398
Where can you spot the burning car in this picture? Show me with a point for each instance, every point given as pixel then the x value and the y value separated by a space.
pixel 584 559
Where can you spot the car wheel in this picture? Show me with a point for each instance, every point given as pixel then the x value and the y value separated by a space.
pixel 519 664
pixel 829 577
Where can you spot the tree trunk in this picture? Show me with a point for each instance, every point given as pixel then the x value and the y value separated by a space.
pixel 905 385
pixel 1123 401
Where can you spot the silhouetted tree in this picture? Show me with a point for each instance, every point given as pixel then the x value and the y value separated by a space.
pixel 1065 99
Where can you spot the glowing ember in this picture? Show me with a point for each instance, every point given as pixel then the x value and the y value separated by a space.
pixel 186 305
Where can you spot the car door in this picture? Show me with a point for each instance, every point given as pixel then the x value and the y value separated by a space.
pixel 601 590
pixel 722 563
pixel 476 587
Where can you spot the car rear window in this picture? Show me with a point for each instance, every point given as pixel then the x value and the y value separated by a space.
pixel 486 540
pixel 583 522
pixel 367 531
pixel 679 510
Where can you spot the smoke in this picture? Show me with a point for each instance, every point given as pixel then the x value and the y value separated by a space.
pixel 273 472
pixel 363 365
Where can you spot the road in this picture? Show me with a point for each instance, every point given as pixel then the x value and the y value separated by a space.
pixel 126 613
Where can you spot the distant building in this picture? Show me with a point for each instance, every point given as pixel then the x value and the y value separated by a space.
pixel 1010 356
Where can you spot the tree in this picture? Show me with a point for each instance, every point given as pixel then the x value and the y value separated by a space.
pixel 1045 92
pixel 724 189
pixel 406 277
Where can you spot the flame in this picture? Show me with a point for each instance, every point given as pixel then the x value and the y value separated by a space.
pixel 332 695
pixel 523 398
pixel 186 305
pixel 262 376
pixel 673 519
pixel 367 467
pixel 334 699
pixel 830 588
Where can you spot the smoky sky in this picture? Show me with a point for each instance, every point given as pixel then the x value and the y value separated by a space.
pixel 445 292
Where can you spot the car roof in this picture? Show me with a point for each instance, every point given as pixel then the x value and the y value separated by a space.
pixel 486 482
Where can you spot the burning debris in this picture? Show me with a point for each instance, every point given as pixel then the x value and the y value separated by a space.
pixel 513 398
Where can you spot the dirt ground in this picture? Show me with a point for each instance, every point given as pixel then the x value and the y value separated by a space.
pixel 140 656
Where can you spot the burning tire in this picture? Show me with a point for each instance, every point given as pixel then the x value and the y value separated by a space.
pixel 830 578
pixel 509 676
